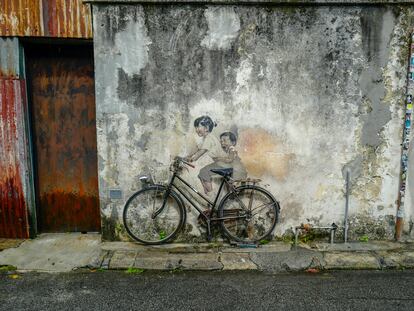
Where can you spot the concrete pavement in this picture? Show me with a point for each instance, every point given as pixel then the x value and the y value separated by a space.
pixel 71 251
pixel 61 252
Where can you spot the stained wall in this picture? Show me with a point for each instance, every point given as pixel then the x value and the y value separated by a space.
pixel 310 91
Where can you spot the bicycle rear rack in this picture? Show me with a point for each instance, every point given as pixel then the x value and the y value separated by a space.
pixel 246 181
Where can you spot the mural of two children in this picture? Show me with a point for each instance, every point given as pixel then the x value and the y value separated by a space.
pixel 221 150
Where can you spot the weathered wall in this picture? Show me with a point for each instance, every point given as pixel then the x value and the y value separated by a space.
pixel 310 92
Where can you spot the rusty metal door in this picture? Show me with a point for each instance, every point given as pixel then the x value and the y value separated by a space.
pixel 62 101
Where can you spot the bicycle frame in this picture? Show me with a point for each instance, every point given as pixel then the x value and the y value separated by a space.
pixel 213 205
pixel 217 212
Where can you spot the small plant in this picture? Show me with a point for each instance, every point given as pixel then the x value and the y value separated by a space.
pixel 132 270
pixel 363 238
pixel 214 244
pixel 162 234
pixel 176 270
pixel 286 238
pixel 7 268
pixel 313 235
pixel 264 242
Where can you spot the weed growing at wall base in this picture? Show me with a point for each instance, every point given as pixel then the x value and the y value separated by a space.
pixel 132 270
pixel 4 269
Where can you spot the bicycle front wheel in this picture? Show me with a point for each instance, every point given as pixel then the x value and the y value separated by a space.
pixel 152 217
pixel 250 214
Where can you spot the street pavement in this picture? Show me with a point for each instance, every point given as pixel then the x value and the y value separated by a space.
pixel 218 290
pixel 70 251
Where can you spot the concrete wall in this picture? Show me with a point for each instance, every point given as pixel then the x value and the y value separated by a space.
pixel 309 91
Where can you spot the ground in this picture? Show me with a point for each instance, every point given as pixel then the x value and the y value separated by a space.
pixel 178 290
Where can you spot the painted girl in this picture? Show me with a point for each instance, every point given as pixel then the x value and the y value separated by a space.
pixel 210 146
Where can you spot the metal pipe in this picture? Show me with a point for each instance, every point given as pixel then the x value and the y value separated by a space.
pixel 346 207
pixel 333 230
pixel 296 236
pixel 406 148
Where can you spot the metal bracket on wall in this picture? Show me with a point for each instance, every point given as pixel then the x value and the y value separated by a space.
pixel 332 229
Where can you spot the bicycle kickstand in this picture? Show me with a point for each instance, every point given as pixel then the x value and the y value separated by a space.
pixel 209 234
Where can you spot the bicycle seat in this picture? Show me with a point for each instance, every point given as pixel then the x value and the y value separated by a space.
pixel 225 172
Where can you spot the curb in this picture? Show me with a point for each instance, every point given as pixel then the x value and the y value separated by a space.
pixel 270 258
pixel 68 252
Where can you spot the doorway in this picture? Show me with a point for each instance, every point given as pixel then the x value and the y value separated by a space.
pixel 61 94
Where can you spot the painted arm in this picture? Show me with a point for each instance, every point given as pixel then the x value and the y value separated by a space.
pixel 195 156
pixel 231 155
pixel 224 159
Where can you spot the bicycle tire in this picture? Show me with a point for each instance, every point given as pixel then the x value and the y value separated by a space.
pixel 139 210
pixel 254 227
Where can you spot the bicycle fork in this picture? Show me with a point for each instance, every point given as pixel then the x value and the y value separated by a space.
pixel 164 199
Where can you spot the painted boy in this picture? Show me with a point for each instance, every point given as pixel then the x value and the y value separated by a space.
pixel 228 142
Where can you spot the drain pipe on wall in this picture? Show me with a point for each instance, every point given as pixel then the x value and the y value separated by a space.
pixel 406 142
pixel 346 226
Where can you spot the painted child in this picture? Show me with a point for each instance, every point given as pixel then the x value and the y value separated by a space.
pixel 209 146
pixel 228 142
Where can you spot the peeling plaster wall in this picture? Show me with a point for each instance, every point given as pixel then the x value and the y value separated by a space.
pixel 310 92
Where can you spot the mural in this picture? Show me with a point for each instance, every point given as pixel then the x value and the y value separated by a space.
pixel 293 108
pixel 222 152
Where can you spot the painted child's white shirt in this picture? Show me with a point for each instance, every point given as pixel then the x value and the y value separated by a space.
pixel 212 145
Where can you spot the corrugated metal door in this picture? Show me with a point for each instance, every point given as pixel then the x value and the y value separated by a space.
pixel 61 90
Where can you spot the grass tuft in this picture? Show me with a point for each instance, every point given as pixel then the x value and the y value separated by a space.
pixel 132 270
pixel 7 268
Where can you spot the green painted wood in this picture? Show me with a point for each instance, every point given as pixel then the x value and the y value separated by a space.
pixel 10 58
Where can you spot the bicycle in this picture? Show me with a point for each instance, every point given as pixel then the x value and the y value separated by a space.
pixel 155 214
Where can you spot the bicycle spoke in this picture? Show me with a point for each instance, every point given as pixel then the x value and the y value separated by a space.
pixel 140 209
pixel 259 210
pixel 153 201
pixel 250 200
pixel 261 207
pixel 243 207
pixel 233 225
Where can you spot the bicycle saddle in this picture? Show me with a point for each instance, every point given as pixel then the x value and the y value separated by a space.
pixel 225 172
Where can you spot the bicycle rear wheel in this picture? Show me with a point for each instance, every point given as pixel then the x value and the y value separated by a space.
pixel 148 221
pixel 252 214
